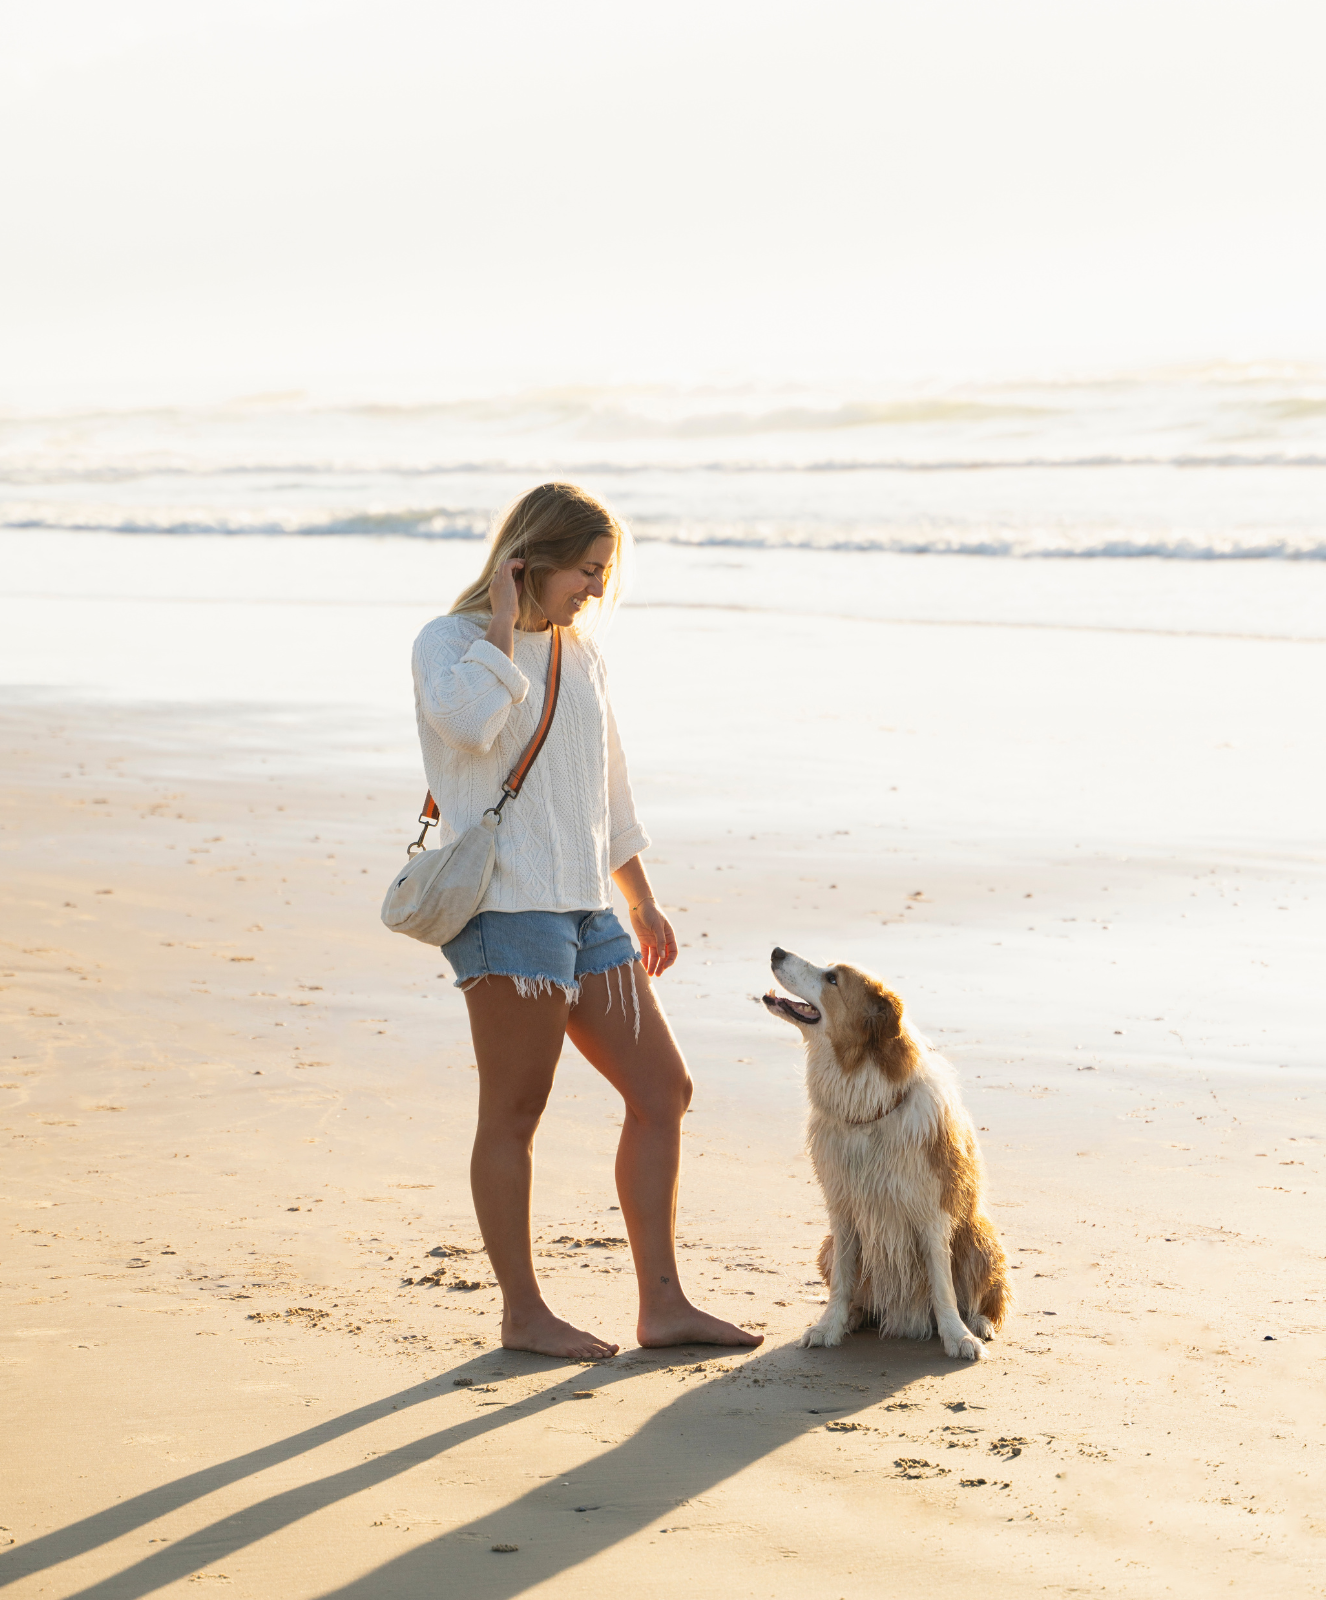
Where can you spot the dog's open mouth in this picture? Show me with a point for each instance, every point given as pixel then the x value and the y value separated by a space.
pixel 799 1010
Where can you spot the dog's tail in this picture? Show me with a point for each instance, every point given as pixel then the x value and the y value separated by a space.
pixel 824 1261
pixel 980 1270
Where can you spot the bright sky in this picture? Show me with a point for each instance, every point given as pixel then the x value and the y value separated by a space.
pixel 207 196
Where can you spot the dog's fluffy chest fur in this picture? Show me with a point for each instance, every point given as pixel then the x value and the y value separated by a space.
pixel 878 1169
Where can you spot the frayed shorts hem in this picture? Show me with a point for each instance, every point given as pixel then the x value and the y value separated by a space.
pixel 590 944
pixel 531 988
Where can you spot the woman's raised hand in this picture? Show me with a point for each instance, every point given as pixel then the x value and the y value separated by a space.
pixel 504 592
pixel 504 602
pixel 658 943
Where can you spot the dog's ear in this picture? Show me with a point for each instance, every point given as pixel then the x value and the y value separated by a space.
pixel 873 1022
pixel 883 1019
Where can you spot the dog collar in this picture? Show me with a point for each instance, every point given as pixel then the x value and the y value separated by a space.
pixel 864 1122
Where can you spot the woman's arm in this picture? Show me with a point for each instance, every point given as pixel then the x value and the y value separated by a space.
pixel 658 943
pixel 626 839
pixel 467 698
pixel 465 689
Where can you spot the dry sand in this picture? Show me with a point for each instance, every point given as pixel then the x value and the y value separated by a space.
pixel 237 1115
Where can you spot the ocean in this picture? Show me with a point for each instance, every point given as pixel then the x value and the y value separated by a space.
pixel 1188 502
pixel 1225 463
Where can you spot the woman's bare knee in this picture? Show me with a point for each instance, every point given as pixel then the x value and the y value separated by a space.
pixel 511 1117
pixel 659 1097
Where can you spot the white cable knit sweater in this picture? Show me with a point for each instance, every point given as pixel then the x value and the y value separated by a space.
pixel 573 823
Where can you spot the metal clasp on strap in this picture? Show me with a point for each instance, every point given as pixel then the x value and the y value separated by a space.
pixel 428 816
pixel 496 811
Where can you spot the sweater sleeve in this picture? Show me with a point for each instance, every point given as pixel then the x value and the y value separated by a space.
pixel 465 694
pixel 626 837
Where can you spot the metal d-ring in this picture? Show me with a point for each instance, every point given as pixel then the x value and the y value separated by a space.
pixel 496 811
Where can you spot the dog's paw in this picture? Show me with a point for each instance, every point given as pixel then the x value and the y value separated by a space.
pixel 964 1346
pixel 982 1327
pixel 821 1333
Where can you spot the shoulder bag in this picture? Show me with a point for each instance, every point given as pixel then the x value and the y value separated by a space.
pixel 436 892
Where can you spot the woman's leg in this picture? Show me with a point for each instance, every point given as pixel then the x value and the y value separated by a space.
pixel 650 1075
pixel 516 1046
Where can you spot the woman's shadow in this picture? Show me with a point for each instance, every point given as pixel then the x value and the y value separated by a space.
pixel 721 1423
pixel 710 1433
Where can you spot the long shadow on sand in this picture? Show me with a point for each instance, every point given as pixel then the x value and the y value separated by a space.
pixel 89 1533
pixel 711 1432
pixel 107 1525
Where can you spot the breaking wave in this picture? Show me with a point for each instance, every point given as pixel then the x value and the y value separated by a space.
pixel 1207 464
pixel 1060 542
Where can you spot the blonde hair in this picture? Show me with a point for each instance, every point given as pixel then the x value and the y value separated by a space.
pixel 550 529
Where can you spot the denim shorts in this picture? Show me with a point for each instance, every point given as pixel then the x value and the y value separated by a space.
pixel 541 950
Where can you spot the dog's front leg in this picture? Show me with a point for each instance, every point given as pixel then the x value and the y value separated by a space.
pixel 842 1288
pixel 958 1338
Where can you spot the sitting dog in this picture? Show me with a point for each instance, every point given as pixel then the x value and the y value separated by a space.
pixel 896 1157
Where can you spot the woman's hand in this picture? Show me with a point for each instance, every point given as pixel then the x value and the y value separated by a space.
pixel 658 943
pixel 504 603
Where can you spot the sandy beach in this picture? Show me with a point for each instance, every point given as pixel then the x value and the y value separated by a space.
pixel 238 1111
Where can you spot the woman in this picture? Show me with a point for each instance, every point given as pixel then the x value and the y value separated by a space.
pixel 545 957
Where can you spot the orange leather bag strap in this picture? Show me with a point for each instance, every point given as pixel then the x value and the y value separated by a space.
pixel 429 813
pixel 520 771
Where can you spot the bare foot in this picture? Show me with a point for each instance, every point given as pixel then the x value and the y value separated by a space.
pixel 547 1335
pixel 687 1324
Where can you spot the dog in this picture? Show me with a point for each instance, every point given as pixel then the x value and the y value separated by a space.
pixel 896 1156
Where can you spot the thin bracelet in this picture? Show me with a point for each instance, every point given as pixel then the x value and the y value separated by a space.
pixel 644 902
